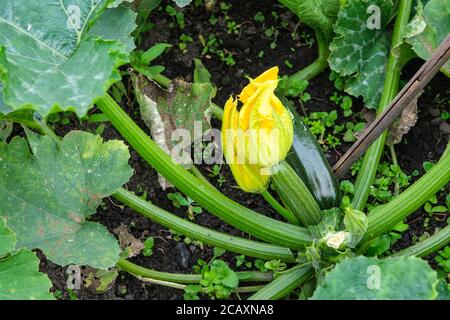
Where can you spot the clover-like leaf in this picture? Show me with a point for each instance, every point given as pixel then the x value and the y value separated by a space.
pixel 20 278
pixel 428 29
pixel 7 238
pixel 47 196
pixel 362 278
pixel 361 48
pixel 48 59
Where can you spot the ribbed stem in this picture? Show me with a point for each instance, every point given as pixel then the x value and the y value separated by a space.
pixel 206 235
pixel 428 246
pixel 125 265
pixel 208 197
pixel 284 284
pixel 373 155
pixel 317 66
pixel 288 215
pixel 384 218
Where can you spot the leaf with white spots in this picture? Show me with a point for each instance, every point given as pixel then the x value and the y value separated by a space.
pixel 20 278
pixel 361 48
pixel 48 59
pixel 48 195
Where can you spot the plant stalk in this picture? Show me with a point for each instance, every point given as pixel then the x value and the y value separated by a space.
pixel 317 66
pixel 246 276
pixel 384 218
pixel 373 155
pixel 258 225
pixel 279 208
pixel 428 246
pixel 197 232
pixel 284 284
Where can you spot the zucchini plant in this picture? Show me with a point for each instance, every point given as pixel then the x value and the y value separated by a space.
pixel 50 186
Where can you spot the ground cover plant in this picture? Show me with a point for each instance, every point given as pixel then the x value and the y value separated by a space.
pixel 114 116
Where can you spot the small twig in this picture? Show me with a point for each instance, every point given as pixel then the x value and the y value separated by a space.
pixel 393 111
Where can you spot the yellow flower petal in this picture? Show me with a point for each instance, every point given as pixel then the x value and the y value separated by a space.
pixel 249 90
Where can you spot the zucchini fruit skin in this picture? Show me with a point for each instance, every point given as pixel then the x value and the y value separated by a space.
pixel 309 162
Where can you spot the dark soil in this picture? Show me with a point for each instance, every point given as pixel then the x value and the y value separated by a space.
pixel 424 142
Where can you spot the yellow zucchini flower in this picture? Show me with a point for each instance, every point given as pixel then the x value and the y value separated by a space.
pixel 258 136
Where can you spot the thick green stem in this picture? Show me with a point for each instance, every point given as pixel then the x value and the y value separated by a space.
pixel 373 155
pixel 317 66
pixel 295 195
pixel 428 246
pixel 125 265
pixel 208 197
pixel 207 236
pixel 289 216
pixel 384 218
pixel 162 80
pixel 284 284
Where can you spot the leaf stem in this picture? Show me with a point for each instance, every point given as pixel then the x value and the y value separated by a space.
pixel 384 218
pixel 284 284
pixel 373 155
pixel 428 246
pixel 206 235
pixel 258 225
pixel 279 208
pixel 317 66
pixel 136 270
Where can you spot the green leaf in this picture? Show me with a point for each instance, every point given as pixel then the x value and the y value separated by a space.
pixel 362 278
pixel 116 24
pixel 154 52
pixel 355 222
pixel 7 238
pixel 317 14
pixel 49 62
pixel 20 278
pixel 428 29
pixel 47 196
pixel 6 128
pixel 181 107
pixel 359 52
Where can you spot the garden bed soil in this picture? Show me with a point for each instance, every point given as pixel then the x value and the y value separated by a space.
pixel 425 142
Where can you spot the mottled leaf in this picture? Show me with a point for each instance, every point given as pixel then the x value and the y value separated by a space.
pixel 183 106
pixel 361 49
pixel 49 60
pixel 317 14
pixel 116 24
pixel 47 197
pixel 428 29
pixel 20 278
pixel 7 238
pixel 362 278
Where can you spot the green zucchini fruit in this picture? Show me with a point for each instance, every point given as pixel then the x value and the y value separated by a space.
pixel 309 162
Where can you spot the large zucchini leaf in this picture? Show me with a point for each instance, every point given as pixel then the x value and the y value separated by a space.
pixel 47 196
pixel 359 52
pixel 429 28
pixel 362 278
pixel 317 14
pixel 49 61
pixel 20 278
